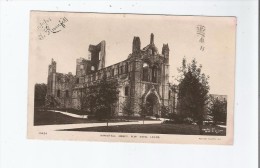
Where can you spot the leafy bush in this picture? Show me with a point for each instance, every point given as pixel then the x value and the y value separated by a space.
pixel 164 111
pixel 169 122
pixel 178 119
pixel 188 120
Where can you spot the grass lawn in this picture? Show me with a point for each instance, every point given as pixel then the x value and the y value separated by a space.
pixel 148 128
pixel 42 117
pixel 45 117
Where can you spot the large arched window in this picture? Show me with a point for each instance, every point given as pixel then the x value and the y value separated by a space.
pixel 126 67
pixel 145 72
pixel 112 72
pixel 154 74
pixel 92 68
pixel 121 69
pixel 127 91
pixel 94 76
pixel 99 75
pixel 58 93
pixel 67 93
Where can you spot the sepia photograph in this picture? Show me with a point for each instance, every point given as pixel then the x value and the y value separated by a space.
pixel 131 77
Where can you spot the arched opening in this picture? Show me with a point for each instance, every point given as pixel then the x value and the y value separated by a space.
pixel 126 67
pixel 58 93
pixel 154 74
pixel 145 72
pixel 152 104
pixel 112 72
pixel 127 91
pixel 92 68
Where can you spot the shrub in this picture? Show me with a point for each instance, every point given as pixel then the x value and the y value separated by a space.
pixel 188 120
pixel 164 111
pixel 169 122
pixel 178 119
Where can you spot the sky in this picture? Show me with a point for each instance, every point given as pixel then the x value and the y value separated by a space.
pixel 71 40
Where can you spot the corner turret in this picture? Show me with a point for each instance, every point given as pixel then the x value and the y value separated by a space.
pixel 136 45
pixel 52 67
pixel 165 52
pixel 152 39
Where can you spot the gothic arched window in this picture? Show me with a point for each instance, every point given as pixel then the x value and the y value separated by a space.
pixel 121 70
pixel 126 67
pixel 154 74
pixel 98 75
pixel 67 93
pixel 126 90
pixel 112 72
pixel 92 68
pixel 58 93
pixel 94 76
pixel 145 72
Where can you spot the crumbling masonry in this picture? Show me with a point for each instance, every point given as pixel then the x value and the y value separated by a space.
pixel 143 76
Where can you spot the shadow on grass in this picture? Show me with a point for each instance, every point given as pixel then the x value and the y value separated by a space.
pixel 180 129
pixel 44 117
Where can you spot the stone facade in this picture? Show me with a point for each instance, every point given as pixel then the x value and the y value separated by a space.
pixel 143 76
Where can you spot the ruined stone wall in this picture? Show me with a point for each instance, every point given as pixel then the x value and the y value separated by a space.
pixel 59 87
pixel 98 56
pixel 129 73
pixel 157 80
pixel 83 67
pixel 63 89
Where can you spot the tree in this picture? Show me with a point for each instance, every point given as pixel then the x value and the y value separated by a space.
pixel 143 111
pixel 127 107
pixel 193 91
pixel 218 109
pixel 40 91
pixel 100 97
pixel 164 111
pixel 81 92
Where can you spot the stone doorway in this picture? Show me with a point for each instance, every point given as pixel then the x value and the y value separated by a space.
pixel 152 104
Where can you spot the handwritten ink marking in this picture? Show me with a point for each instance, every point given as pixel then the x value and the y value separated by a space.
pixel 201 32
pixel 46 27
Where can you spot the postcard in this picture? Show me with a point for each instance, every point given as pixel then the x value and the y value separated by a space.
pixel 131 78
